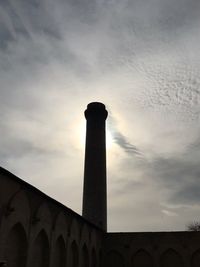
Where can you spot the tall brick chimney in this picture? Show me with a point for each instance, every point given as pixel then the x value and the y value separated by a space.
pixel 94 191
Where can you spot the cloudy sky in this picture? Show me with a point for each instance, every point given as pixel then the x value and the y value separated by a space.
pixel 141 58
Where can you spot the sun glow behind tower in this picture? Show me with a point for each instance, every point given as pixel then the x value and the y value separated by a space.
pixel 80 129
pixel 109 139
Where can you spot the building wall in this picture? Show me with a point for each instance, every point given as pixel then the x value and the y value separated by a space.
pixel 37 231
pixel 159 249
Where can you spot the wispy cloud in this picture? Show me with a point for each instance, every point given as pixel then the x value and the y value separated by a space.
pixel 141 58
pixel 120 139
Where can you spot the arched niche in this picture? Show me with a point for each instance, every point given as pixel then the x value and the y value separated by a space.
pixel 42 219
pixel 43 214
pixel 114 258
pixel 60 225
pixel 195 260
pixel 40 251
pixel 85 234
pixel 59 253
pixel 73 255
pixel 75 230
pixel 84 257
pixel 16 247
pixel 18 209
pixel 142 259
pixel 93 258
pixel 171 258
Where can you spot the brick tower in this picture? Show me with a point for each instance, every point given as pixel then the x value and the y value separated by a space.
pixel 94 191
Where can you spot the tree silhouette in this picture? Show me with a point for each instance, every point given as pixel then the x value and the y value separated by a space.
pixel 193 226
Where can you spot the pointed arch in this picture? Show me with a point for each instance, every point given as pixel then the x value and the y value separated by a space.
pixel 195 259
pixel 60 224
pixel 59 256
pixel 16 247
pixel 114 258
pixel 85 257
pixel 18 209
pixel 85 233
pixel 142 259
pixel 75 230
pixel 171 258
pixel 20 201
pixel 40 253
pixel 44 214
pixel 74 255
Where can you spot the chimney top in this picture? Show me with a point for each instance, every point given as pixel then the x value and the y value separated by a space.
pixel 96 110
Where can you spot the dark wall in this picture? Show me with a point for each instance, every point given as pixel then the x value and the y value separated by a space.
pixel 37 231
pixel 160 249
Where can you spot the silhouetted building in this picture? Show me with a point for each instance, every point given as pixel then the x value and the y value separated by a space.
pixel 38 231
